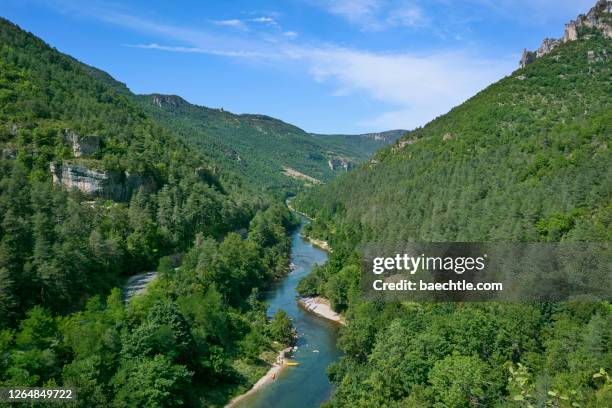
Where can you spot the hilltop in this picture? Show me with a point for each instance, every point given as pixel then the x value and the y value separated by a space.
pixel 260 147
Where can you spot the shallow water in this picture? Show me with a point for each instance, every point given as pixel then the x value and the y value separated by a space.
pixel 305 385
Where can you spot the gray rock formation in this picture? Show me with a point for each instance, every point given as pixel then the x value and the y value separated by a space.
pixel 82 146
pixel 233 154
pixel 169 101
pixel 339 163
pixel 9 153
pixel 547 46
pixel 527 58
pixel 406 142
pixel 112 185
pixel 598 18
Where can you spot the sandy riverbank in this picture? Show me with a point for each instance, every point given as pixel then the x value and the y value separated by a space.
pixel 318 243
pixel 321 307
pixel 270 376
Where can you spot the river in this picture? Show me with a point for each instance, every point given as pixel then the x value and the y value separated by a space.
pixel 305 385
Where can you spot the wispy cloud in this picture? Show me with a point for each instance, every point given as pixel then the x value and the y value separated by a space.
pixel 417 87
pixel 376 15
pixel 197 50
pixel 243 24
pixel 230 23
pixel 408 16
pixel 412 88
pixel 264 20
pixel 533 11
pixel 442 15
pixel 353 10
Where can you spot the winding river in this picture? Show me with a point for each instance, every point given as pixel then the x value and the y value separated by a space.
pixel 305 385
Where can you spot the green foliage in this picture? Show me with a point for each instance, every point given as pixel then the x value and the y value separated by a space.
pixel 57 246
pixel 526 159
pixel 62 252
pixel 259 147
pixel 151 382
pixel 281 328
pixel 460 381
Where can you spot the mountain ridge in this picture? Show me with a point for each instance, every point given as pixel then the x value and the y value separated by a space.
pixel 261 147
pixel 525 160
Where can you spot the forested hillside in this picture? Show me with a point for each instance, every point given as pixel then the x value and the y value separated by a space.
pixel 92 190
pixel 526 159
pixel 262 148
pixel 366 144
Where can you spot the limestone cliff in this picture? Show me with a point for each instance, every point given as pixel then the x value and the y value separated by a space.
pixel 598 18
pixel 82 146
pixel 339 163
pixel 113 185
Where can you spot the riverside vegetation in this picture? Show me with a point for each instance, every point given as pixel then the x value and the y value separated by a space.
pixel 526 159
pixel 139 194
pixel 97 184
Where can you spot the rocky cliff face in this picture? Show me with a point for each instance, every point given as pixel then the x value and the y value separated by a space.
pixel 598 18
pixel 343 164
pixel 112 185
pixel 82 146
pixel 387 136
pixel 168 101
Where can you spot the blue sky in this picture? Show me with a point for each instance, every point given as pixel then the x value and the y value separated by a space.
pixel 343 66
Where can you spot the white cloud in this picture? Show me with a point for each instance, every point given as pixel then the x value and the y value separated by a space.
pixel 197 50
pixel 377 15
pixel 411 88
pixel 230 23
pixel 290 34
pixel 264 20
pixel 243 24
pixel 408 16
pixel 418 87
pixel 353 10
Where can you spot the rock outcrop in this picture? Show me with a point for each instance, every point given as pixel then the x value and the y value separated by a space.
pixel 113 185
pixel 598 18
pixel 339 163
pixel 527 58
pixel 547 46
pixel 169 101
pixel 403 143
pixel 9 153
pixel 82 146
pixel 233 154
pixel 387 136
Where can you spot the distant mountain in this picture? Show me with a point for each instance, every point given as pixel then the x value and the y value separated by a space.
pixel 365 144
pixel 388 136
pixel 541 134
pixel 270 153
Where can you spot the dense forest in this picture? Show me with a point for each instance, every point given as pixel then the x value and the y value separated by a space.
pixel 259 147
pixel 525 160
pixel 92 190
